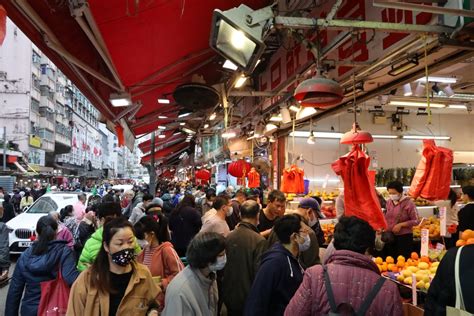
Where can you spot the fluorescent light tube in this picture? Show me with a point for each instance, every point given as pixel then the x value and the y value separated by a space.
pixel 164 101
pixel 161 136
pixel 416 104
pixel 161 127
pixel 240 81
pixel 213 116
pixel 229 65
pixel 457 106
pixel 439 79
pixel 162 117
pixel 426 137
pixel 228 134
pixel 294 108
pixel 182 124
pixel 385 136
pixel 276 118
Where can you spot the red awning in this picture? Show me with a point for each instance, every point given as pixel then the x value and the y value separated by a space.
pixel 165 152
pixel 153 47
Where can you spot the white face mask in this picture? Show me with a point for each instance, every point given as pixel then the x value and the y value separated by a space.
pixel 312 222
pixel 219 264
pixel 230 210
pixel 305 245
pixel 394 197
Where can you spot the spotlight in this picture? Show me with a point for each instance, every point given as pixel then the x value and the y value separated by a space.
pixel 305 112
pixel 285 115
pixel 407 90
pixel 311 139
pixel 448 91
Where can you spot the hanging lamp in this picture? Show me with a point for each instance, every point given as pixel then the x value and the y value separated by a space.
pixel 356 135
pixel 318 92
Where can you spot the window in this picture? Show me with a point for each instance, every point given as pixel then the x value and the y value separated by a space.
pixel 44 205
pixel 35 105
pixel 35 82
pixel 36 58
pixel 46 134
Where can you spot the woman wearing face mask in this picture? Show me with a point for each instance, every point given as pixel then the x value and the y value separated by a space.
pixel 193 291
pixel 115 284
pixel 401 215
pixel 280 274
pixel 158 253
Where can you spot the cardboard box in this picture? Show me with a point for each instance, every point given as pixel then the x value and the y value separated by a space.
pixel 412 310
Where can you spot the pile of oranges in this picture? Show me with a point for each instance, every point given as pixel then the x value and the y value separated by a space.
pixel 401 264
pixel 466 238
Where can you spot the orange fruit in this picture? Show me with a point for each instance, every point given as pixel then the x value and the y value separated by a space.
pixel 378 260
pixel 389 259
pixel 414 256
pixel 380 267
pixel 425 259
pixel 384 267
pixel 468 233
pixel 401 258
pixel 470 241
pixel 401 264
pixel 460 243
pixel 394 268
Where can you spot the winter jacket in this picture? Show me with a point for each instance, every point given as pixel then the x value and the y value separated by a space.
pixel 137 213
pixel 184 224
pixel 442 291
pixel 92 247
pixel 31 270
pixel 8 212
pixel 234 218
pixel 165 263
pixel 352 277
pixel 64 234
pixel 140 294
pixel 191 294
pixel 4 247
pixel 408 213
pixel 277 280
pixel 244 247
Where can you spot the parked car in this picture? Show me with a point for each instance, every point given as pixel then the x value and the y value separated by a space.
pixel 23 226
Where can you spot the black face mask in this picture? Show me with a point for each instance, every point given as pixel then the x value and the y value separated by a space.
pixel 123 257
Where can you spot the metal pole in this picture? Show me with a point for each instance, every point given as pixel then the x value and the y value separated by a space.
pixel 151 170
pixel 4 148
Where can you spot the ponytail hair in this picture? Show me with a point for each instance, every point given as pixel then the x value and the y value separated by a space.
pixel 46 229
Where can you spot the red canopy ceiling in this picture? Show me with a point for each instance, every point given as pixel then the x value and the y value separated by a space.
pixel 145 146
pixel 165 152
pixel 154 45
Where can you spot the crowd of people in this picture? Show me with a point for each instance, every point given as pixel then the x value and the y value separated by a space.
pixel 188 250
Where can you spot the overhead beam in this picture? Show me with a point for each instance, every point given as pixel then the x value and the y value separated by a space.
pixel 284 22
pixel 402 5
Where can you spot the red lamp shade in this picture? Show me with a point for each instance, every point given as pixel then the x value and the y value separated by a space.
pixel 239 168
pixel 203 174
pixel 356 136
pixel 319 92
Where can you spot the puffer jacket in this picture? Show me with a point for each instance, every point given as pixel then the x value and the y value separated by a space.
pixel 31 270
pixel 92 247
pixel 277 280
pixel 352 276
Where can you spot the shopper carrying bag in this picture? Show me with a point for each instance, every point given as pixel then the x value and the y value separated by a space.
pixel 459 309
pixel 54 297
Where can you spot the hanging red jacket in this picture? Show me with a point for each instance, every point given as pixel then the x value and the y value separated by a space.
pixel 293 180
pixel 360 199
pixel 254 178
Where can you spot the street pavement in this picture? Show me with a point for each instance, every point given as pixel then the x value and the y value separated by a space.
pixel 4 290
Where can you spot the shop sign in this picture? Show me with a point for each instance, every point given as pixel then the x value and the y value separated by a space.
pixel 35 141
pixel 293 58
pixel 36 157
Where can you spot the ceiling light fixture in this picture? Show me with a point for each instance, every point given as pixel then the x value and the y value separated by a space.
pixel 240 81
pixel 439 79
pixel 206 125
pixel 407 90
pixel 270 128
pixel 311 139
pixel 161 136
pixel 161 127
pixel 120 99
pixel 184 113
pixel 213 116
pixel 404 66
pixel 182 124
pixel 457 106
pixel 229 65
pixel 305 112
pixel 228 134
pixel 164 101
pixel 294 108
pixel 416 104
pixel 162 117
pixel 420 89
pixel 188 131
pixel 426 137
pixel 285 115
pixel 448 91
pixel 276 118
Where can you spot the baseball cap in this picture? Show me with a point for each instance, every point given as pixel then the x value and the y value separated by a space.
pixel 309 203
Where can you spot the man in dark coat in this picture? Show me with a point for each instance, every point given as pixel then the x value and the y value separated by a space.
pixel 243 249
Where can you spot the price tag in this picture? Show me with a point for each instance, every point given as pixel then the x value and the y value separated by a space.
pixel 425 241
pixel 414 297
pixel 442 221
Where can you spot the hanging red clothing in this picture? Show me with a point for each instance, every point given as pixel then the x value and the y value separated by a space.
pixel 360 199
pixel 293 180
pixel 254 178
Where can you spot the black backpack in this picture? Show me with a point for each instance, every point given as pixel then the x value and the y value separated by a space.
pixel 346 308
